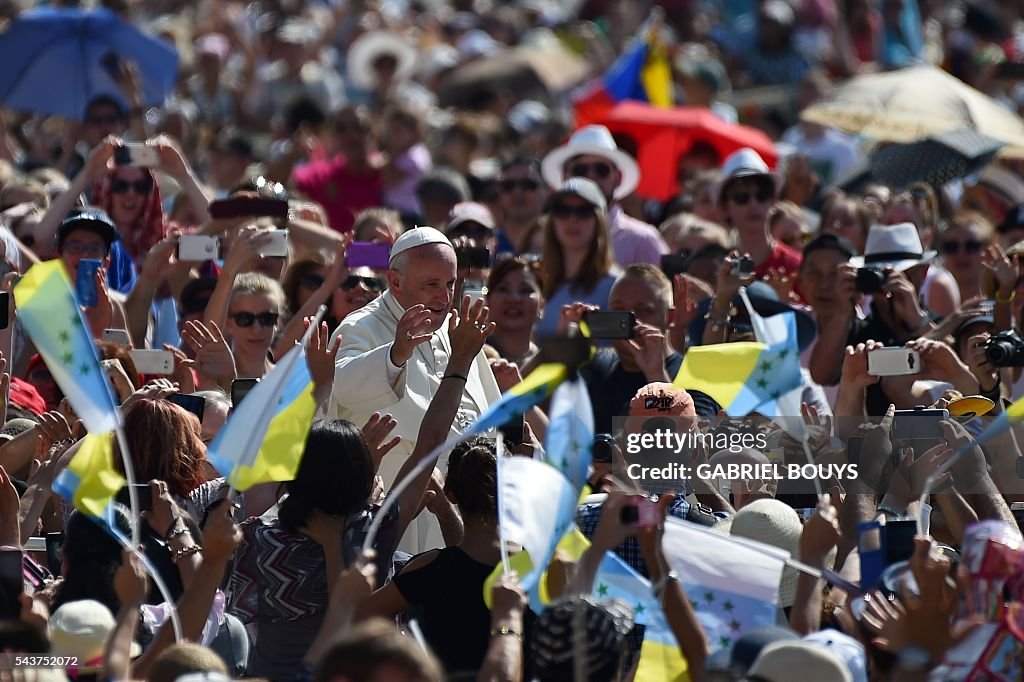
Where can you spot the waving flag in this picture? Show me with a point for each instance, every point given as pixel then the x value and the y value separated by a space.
pixel 570 432
pixel 90 482
pixel 733 584
pixel 535 388
pixel 536 506
pixel 265 436
pixel 51 317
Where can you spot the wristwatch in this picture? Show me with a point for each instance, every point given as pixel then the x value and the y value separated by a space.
pixel 659 587
pixel 717 324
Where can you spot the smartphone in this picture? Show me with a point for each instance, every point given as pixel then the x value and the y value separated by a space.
pixel 611 325
pixel 142 493
pixel 85 282
pixel 673 264
pixel 239 389
pixel 871 548
pixel 512 431
pixel 116 336
pixel 34 574
pixel 640 512
pixel 918 424
pixel 743 266
pixel 899 540
pixel 195 404
pixel 54 543
pixel 474 289
pixel 893 361
pixel 370 255
pixel 244 207
pixel 153 361
pixel 5 307
pixel 12 583
pixel 137 154
pixel 198 247
pixel 276 246
pixel 476 257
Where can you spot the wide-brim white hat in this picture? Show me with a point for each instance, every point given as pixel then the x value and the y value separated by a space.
pixel 897 246
pixel 593 140
pixel 745 163
pixel 369 47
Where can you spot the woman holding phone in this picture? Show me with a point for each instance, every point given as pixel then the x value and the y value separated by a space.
pixel 577 263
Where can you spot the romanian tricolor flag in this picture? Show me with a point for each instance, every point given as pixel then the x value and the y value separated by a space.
pixel 265 436
pixel 642 73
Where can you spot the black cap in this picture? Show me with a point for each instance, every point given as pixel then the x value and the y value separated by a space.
pixel 829 241
pixel 91 219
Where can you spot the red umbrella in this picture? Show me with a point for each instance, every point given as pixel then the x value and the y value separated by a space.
pixel 662 136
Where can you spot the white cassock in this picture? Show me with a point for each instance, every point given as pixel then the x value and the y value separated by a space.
pixel 366 381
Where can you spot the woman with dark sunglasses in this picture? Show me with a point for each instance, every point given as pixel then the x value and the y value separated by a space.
pixel 253 318
pixel 577 262
pixel 128 193
pixel 318 280
pixel 963 245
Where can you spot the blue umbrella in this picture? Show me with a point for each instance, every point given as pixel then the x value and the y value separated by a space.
pixel 56 60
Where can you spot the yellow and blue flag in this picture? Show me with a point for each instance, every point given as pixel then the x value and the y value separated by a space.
pixel 264 438
pixel 744 377
pixel 53 320
pixel 534 389
pixel 90 482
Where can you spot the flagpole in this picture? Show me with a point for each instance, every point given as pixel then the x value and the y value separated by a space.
pixel 161 586
pixel 499 448
pixel 129 474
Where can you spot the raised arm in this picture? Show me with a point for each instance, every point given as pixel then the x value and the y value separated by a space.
pixel 45 232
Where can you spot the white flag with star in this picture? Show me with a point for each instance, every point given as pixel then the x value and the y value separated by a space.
pixel 733 584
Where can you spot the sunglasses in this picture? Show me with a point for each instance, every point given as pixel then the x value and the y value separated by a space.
pixel 972 246
pixel 567 211
pixel 267 319
pixel 352 281
pixel 599 170
pixel 526 184
pixel 743 198
pixel 140 187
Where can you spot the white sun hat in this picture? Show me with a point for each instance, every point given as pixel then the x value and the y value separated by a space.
pixel 594 140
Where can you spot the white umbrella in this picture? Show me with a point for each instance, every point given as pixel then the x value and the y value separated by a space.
pixel 912 103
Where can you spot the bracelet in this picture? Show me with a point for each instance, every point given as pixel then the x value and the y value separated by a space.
pixel 505 631
pixel 182 553
pixel 659 587
pixel 1008 299
pixel 178 527
pixel 717 324
pixel 891 511
pixel 453 375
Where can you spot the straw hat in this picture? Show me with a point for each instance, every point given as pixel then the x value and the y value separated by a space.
pixel 370 47
pixel 777 524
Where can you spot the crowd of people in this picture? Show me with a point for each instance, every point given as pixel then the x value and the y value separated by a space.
pixel 316 158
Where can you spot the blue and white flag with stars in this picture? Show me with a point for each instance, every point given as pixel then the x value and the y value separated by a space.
pixel 536 506
pixel 50 314
pixel 732 583
pixel 570 432
pixel 616 580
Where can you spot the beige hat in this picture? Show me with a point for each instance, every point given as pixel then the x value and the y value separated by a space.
pixel 80 629
pixel 791 660
pixel 777 524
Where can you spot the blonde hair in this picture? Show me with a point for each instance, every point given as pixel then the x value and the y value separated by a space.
pixel 258 284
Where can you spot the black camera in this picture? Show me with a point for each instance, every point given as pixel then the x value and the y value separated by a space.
pixel 1005 349
pixel 603 449
pixel 870 280
pixel 742 267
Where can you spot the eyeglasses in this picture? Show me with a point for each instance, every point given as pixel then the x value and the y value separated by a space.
pixel 599 170
pixel 526 185
pixel 266 319
pixel 311 281
pixel 972 246
pixel 352 281
pixel 743 198
pixel 565 211
pixel 140 187
pixel 81 249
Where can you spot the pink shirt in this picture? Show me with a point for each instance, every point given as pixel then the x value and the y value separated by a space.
pixel 634 241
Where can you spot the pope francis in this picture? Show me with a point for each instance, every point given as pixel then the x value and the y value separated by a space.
pixel 394 352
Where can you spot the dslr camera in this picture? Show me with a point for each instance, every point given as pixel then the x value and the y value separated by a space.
pixel 1005 349
pixel 870 280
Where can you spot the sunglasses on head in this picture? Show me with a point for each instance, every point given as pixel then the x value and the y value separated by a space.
pixel 140 187
pixel 566 211
pixel 526 185
pixel 970 246
pixel 763 196
pixel 598 169
pixel 266 319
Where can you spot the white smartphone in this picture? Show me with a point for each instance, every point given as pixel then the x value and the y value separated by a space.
pixel 277 245
pixel 198 247
pixel 137 154
pixel 118 336
pixel 153 361
pixel 893 361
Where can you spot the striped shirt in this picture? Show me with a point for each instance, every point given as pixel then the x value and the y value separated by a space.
pixel 634 241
